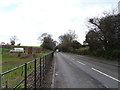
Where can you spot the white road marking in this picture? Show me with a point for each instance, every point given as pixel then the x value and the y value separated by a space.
pixel 81 63
pixel 105 74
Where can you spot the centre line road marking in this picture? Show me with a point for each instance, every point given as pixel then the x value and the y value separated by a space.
pixel 80 62
pixel 105 74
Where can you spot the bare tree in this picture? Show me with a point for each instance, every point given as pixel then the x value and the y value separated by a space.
pixel 13 39
pixel 66 40
pixel 106 31
pixel 2 43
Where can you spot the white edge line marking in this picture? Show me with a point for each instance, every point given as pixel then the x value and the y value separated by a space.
pixel 81 63
pixel 105 74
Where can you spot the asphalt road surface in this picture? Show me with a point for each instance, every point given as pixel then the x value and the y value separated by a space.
pixel 76 71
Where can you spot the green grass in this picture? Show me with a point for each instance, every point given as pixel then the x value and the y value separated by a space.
pixel 0 50
pixel 5 50
pixel 11 60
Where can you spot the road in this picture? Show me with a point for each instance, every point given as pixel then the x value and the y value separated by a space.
pixel 76 71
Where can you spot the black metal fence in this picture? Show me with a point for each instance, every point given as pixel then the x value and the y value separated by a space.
pixel 28 75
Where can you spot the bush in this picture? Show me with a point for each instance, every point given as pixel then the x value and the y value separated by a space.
pixel 109 54
pixel 115 54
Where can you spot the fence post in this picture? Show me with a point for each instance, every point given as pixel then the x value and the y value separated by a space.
pixel 25 76
pixel 0 81
pixel 45 63
pixel 35 74
pixel 52 54
pixel 40 71
pixel 43 67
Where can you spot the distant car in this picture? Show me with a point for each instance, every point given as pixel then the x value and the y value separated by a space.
pixel 15 50
pixel 57 50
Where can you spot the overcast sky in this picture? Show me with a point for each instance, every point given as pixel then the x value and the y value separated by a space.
pixel 28 19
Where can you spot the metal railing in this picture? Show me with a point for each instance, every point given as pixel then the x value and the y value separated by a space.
pixel 28 75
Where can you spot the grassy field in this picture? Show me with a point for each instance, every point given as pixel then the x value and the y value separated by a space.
pixel 12 60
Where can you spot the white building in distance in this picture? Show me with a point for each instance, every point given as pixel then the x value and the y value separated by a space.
pixel 119 7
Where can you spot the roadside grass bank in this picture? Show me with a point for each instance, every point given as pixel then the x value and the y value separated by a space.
pixel 47 83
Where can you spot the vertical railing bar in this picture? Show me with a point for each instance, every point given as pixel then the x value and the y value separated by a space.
pixel 43 68
pixel 45 65
pixel 35 74
pixel 25 76
pixel 0 81
pixel 40 71
pixel 6 84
